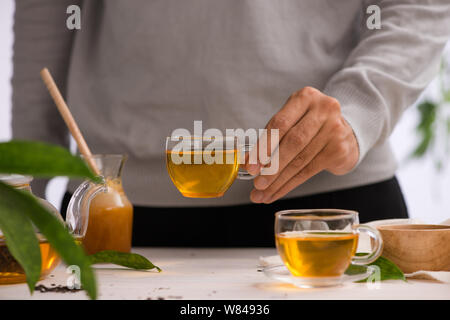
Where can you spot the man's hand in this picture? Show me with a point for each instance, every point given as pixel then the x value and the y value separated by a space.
pixel 313 137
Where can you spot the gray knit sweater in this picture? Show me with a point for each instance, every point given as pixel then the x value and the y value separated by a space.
pixel 139 69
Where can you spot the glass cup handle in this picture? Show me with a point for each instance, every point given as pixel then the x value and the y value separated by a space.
pixel 243 174
pixel 378 244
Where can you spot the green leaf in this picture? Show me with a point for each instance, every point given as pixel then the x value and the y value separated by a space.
pixel 446 95
pixel 54 231
pixel 129 260
pixel 425 128
pixel 448 125
pixel 388 269
pixel 438 165
pixel 41 160
pixel 428 113
pixel 423 146
pixel 19 234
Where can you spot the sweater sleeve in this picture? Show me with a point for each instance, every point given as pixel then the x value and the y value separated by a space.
pixel 390 67
pixel 41 39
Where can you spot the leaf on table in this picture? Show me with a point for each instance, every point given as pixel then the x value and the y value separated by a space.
pixel 129 260
pixel 41 160
pixel 19 234
pixel 388 269
pixel 22 202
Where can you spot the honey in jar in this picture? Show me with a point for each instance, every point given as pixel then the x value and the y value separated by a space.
pixel 110 220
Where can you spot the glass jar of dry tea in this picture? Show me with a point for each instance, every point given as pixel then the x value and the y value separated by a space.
pixel 10 270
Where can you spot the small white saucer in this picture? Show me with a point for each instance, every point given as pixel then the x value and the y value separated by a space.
pixel 281 273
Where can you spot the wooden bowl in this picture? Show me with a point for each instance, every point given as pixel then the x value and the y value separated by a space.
pixel 414 247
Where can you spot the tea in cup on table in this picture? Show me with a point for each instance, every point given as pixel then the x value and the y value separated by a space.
pixel 318 245
pixel 203 167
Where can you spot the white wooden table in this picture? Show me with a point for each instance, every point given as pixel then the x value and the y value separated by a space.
pixel 216 274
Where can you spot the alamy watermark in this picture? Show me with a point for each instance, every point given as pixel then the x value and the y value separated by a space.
pixel 253 145
pixel 73 21
pixel 74 280
pixel 373 281
pixel 374 20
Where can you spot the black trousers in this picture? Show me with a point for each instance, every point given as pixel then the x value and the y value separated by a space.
pixel 252 225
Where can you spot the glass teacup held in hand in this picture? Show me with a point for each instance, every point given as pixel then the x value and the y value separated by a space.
pixel 205 167
pixel 317 246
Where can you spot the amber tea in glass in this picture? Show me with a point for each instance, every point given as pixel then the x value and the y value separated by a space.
pixel 317 246
pixel 317 254
pixel 204 167
pixel 12 272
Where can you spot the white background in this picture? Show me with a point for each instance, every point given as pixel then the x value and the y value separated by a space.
pixel 425 189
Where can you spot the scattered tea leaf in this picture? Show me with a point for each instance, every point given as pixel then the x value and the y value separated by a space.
pixel 41 160
pixel 23 203
pixel 19 234
pixel 129 260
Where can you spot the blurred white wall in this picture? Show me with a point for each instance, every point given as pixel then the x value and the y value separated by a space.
pixel 6 41
pixel 425 190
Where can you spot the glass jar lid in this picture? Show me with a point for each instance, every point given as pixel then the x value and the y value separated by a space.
pixel 15 179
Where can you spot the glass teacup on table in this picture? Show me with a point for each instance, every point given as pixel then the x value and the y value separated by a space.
pixel 317 246
pixel 203 167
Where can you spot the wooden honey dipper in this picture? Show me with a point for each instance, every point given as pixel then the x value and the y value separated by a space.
pixel 68 119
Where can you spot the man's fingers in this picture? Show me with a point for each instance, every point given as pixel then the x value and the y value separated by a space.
pixel 314 167
pixel 299 163
pixel 303 134
pixel 318 163
pixel 334 157
pixel 293 110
